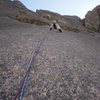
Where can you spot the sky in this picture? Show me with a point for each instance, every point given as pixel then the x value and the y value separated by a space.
pixel 63 7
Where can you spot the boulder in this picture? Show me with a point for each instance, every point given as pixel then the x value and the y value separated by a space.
pixel 92 19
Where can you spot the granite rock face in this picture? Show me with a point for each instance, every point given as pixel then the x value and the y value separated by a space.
pixel 67 66
pixel 72 23
pixel 16 10
pixel 92 19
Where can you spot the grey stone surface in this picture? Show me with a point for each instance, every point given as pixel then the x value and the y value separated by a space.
pixel 66 68
pixel 92 19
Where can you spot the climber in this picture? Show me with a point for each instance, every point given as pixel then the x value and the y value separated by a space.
pixel 55 25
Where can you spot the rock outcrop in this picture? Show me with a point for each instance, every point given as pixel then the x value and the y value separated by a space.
pixel 72 23
pixel 17 11
pixel 92 19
